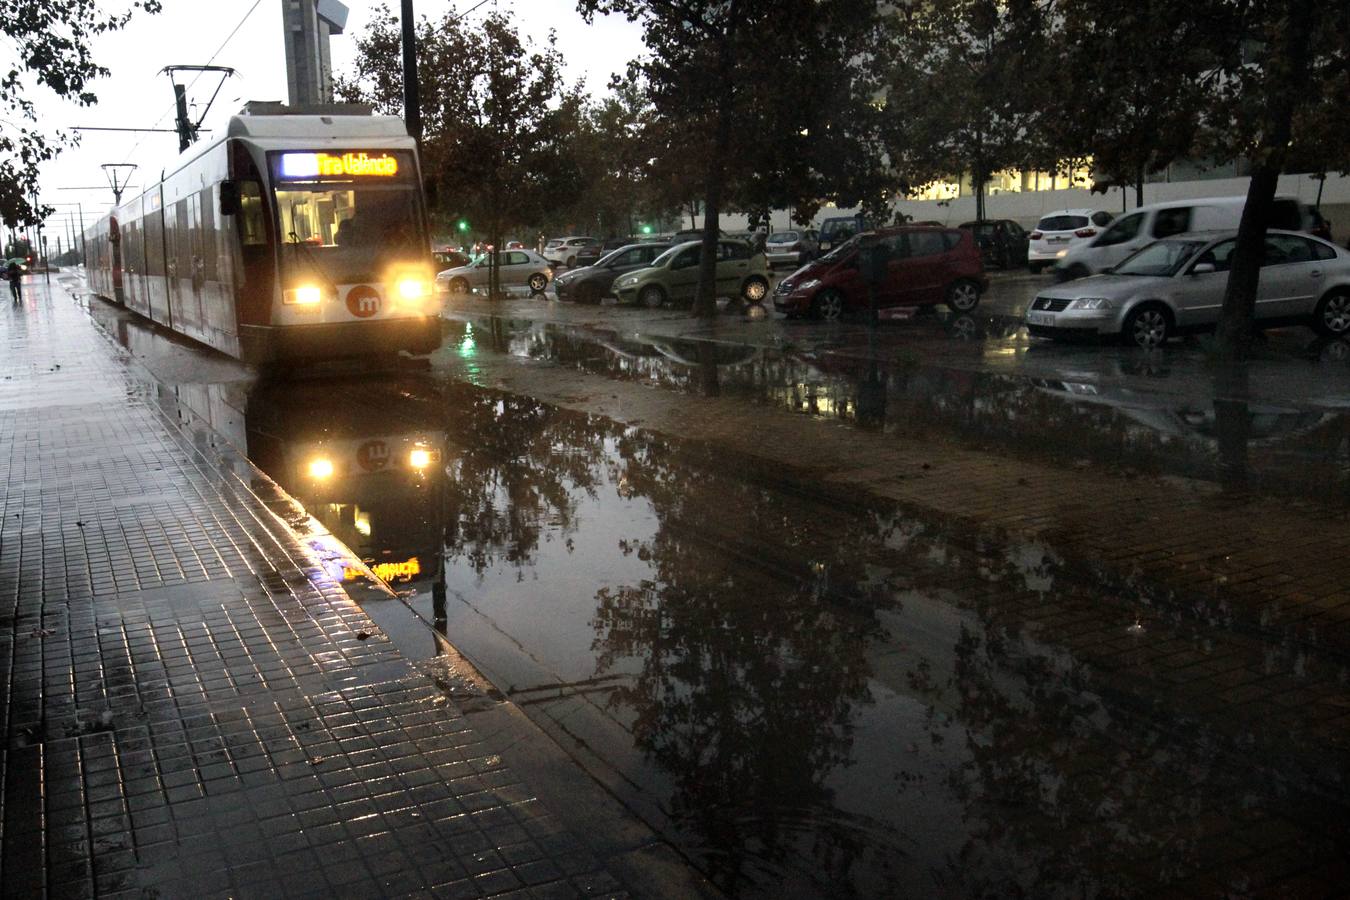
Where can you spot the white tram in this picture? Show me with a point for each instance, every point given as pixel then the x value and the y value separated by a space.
pixel 289 237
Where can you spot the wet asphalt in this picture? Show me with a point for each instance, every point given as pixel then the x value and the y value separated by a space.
pixel 819 695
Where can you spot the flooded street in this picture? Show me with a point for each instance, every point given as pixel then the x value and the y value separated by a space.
pixel 818 692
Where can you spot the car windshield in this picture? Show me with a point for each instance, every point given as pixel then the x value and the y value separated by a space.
pixel 667 256
pixel 782 237
pixel 843 249
pixel 1062 223
pixel 839 229
pixel 612 255
pixel 1160 258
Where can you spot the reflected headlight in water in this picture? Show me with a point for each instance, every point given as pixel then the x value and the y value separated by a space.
pixel 320 468
pixel 305 295
pixel 1092 303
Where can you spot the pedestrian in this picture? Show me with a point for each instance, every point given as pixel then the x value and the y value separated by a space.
pixel 13 274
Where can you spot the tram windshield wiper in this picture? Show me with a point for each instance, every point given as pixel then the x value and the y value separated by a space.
pixel 313 263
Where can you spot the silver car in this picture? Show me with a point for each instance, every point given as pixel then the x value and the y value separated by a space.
pixel 517 268
pixel 1177 284
pixel 795 248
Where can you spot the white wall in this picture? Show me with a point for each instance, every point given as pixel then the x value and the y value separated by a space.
pixel 1028 206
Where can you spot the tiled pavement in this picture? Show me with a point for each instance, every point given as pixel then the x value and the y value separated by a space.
pixel 192 706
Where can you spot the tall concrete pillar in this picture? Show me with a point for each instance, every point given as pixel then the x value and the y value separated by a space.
pixel 308 24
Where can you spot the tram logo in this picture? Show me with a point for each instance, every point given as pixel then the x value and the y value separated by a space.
pixel 363 301
pixel 373 455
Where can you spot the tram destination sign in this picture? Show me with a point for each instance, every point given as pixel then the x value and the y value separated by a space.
pixel 359 164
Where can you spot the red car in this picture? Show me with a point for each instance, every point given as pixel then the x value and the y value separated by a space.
pixel 923 266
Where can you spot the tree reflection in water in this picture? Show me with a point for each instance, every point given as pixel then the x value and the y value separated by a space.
pixel 846 700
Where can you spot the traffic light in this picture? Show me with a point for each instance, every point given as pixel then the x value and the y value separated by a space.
pixel 646 229
pixel 463 224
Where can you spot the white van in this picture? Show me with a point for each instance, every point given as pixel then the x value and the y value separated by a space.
pixel 1154 221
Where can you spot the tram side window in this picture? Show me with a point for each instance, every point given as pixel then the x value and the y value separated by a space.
pixel 252 229
pixel 209 237
pixel 154 244
pixel 182 250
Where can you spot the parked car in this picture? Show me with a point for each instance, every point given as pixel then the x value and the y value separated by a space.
pixel 563 251
pixel 837 230
pixel 450 258
pixel 673 276
pixel 1002 242
pixel 589 284
pixel 589 255
pixel 796 248
pixel 1057 232
pixel 923 266
pixel 1155 221
pixel 1177 284
pixel 516 268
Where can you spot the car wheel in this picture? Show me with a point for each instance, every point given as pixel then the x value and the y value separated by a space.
pixel 652 297
pixel 588 293
pixel 1148 326
pixel 963 327
pixel 538 281
pixel 963 296
pixel 571 262
pixel 755 289
pixel 1035 268
pixel 459 286
pixel 1332 316
pixel 828 305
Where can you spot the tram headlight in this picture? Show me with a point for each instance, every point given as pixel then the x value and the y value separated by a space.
pixel 419 458
pixel 320 468
pixel 305 295
pixel 412 289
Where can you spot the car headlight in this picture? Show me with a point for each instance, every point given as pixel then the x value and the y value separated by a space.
pixel 808 284
pixel 627 281
pixel 1092 303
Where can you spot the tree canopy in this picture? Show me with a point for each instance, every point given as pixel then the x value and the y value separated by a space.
pixel 48 47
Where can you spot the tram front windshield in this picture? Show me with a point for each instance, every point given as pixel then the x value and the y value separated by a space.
pixel 352 229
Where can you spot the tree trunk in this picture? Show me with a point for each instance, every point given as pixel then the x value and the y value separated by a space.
pixel 1139 186
pixel 1288 70
pixel 705 297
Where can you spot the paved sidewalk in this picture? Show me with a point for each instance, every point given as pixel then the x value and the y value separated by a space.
pixel 192 706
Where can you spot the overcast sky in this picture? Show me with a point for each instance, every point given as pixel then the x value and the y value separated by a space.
pixel 190 31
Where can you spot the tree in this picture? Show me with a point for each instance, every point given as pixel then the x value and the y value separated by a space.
pixel 48 45
pixel 717 71
pixel 498 121
pixel 957 97
pixel 1132 113
pixel 1280 80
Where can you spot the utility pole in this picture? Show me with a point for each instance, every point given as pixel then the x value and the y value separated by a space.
pixel 119 175
pixel 412 108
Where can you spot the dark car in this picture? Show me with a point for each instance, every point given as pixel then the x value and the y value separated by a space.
pixel 449 258
pixel 589 284
pixel 922 266
pixel 1002 242
pixel 589 256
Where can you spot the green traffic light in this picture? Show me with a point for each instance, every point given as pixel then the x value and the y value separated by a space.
pixel 646 229
pixel 463 225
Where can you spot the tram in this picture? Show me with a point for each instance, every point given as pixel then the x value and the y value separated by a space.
pixel 287 237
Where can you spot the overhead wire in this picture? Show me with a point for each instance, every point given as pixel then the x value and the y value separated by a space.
pixel 229 37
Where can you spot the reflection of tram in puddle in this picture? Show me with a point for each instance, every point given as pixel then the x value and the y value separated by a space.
pixel 368 464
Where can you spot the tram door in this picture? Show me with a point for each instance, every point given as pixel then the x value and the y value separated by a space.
pixel 115 244
pixel 185 265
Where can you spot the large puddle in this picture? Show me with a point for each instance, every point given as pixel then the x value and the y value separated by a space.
pixel 820 696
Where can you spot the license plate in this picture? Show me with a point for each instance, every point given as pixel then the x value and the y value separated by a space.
pixel 1058 240
pixel 1040 318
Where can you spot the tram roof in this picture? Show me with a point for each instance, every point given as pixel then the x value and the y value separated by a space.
pixel 301 126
